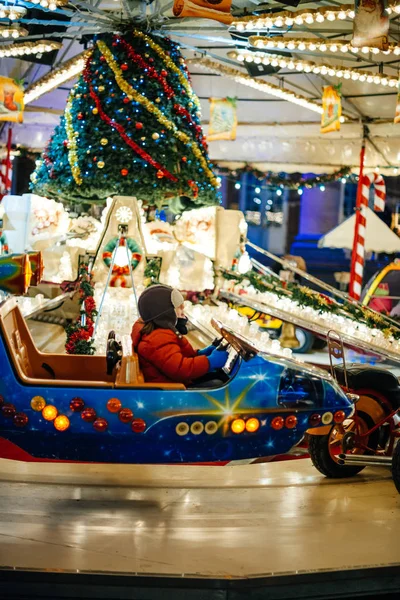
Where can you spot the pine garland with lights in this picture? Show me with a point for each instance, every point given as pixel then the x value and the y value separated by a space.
pixel 291 181
pixel 307 298
pixel 79 333
pixel 131 127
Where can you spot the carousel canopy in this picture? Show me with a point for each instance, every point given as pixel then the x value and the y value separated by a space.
pixel 378 238
pixel 273 133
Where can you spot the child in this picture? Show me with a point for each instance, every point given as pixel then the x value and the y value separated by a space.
pixel 164 354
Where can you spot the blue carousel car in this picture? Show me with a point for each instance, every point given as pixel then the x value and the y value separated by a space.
pixel 99 409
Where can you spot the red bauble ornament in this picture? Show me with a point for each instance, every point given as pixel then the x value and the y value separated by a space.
pixel 20 419
pixel 124 172
pixel 184 159
pixel 164 73
pixel 102 58
pixel 126 100
pixel 94 158
pixel 8 410
pixel 80 116
pixel 100 424
pixel 89 415
pixel 125 415
pixel 139 125
pixel 65 143
pixel 138 426
pixel 77 404
pixel 124 67
pixel 159 174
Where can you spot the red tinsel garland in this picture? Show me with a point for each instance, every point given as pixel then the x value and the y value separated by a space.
pixel 143 64
pixel 121 130
pixel 181 111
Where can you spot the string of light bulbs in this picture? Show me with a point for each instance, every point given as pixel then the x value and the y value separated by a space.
pixel 302 17
pixel 50 4
pixel 276 60
pixel 12 12
pixel 13 31
pixel 262 86
pixel 39 47
pixel 54 79
pixel 304 44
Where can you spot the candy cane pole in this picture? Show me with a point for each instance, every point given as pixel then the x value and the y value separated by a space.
pixel 359 240
pixel 357 270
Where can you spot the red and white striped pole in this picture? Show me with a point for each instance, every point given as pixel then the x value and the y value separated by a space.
pixel 357 255
pixel 357 258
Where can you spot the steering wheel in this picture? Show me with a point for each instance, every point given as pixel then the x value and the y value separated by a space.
pixel 113 352
pixel 234 340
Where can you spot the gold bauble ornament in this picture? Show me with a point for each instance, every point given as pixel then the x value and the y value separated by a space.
pixel 120 110
pixel 100 164
pixel 143 138
pixel 87 151
pixel 104 141
pixel 101 88
pixel 100 76
pixel 155 135
pixel 95 111
pixel 189 103
pixel 78 96
pixel 158 100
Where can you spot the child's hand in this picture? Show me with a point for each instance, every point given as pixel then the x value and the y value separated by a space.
pixel 206 351
pixel 217 359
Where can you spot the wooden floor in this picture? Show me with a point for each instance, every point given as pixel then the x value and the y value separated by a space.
pixel 230 522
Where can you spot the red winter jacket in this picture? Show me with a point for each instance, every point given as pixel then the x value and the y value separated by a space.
pixel 167 357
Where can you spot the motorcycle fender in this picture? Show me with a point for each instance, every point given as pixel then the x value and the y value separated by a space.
pixel 324 430
pixel 372 408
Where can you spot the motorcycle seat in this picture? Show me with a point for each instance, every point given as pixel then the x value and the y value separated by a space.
pixel 366 376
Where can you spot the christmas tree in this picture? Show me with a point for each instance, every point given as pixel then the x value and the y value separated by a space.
pixel 131 127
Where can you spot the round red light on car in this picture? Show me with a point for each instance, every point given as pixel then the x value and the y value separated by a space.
pixel 339 416
pixel 277 423
pixel 314 420
pixel 291 421
pixel 138 426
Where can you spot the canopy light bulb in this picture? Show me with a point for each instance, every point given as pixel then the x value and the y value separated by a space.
pixel 320 18
pixel 238 186
pixel 300 192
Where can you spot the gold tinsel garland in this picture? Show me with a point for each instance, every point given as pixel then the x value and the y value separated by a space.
pixel 151 108
pixel 72 145
pixel 170 64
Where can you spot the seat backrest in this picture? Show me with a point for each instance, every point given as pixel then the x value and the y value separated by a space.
pixel 336 351
pixel 21 354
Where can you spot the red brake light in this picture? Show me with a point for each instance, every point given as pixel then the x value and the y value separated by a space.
pixel 277 423
pixel 291 421
pixel 339 416
pixel 314 420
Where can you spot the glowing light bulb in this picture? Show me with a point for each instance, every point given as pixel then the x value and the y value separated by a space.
pixel 237 186
pixel 312 46
pixel 291 45
pixel 289 21
pixel 309 19
pixel 320 18
pixel 344 48
pixel 331 16
pixel 300 192
pixel 302 46
pixel 279 22
pixel 342 119
pixel 333 48
pixel 342 15
pixel 323 47
pixel 279 192
pixel 365 49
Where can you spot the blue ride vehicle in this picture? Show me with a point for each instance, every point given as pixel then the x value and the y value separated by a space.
pixel 91 409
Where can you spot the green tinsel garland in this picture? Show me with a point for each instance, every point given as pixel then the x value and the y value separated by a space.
pixel 306 297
